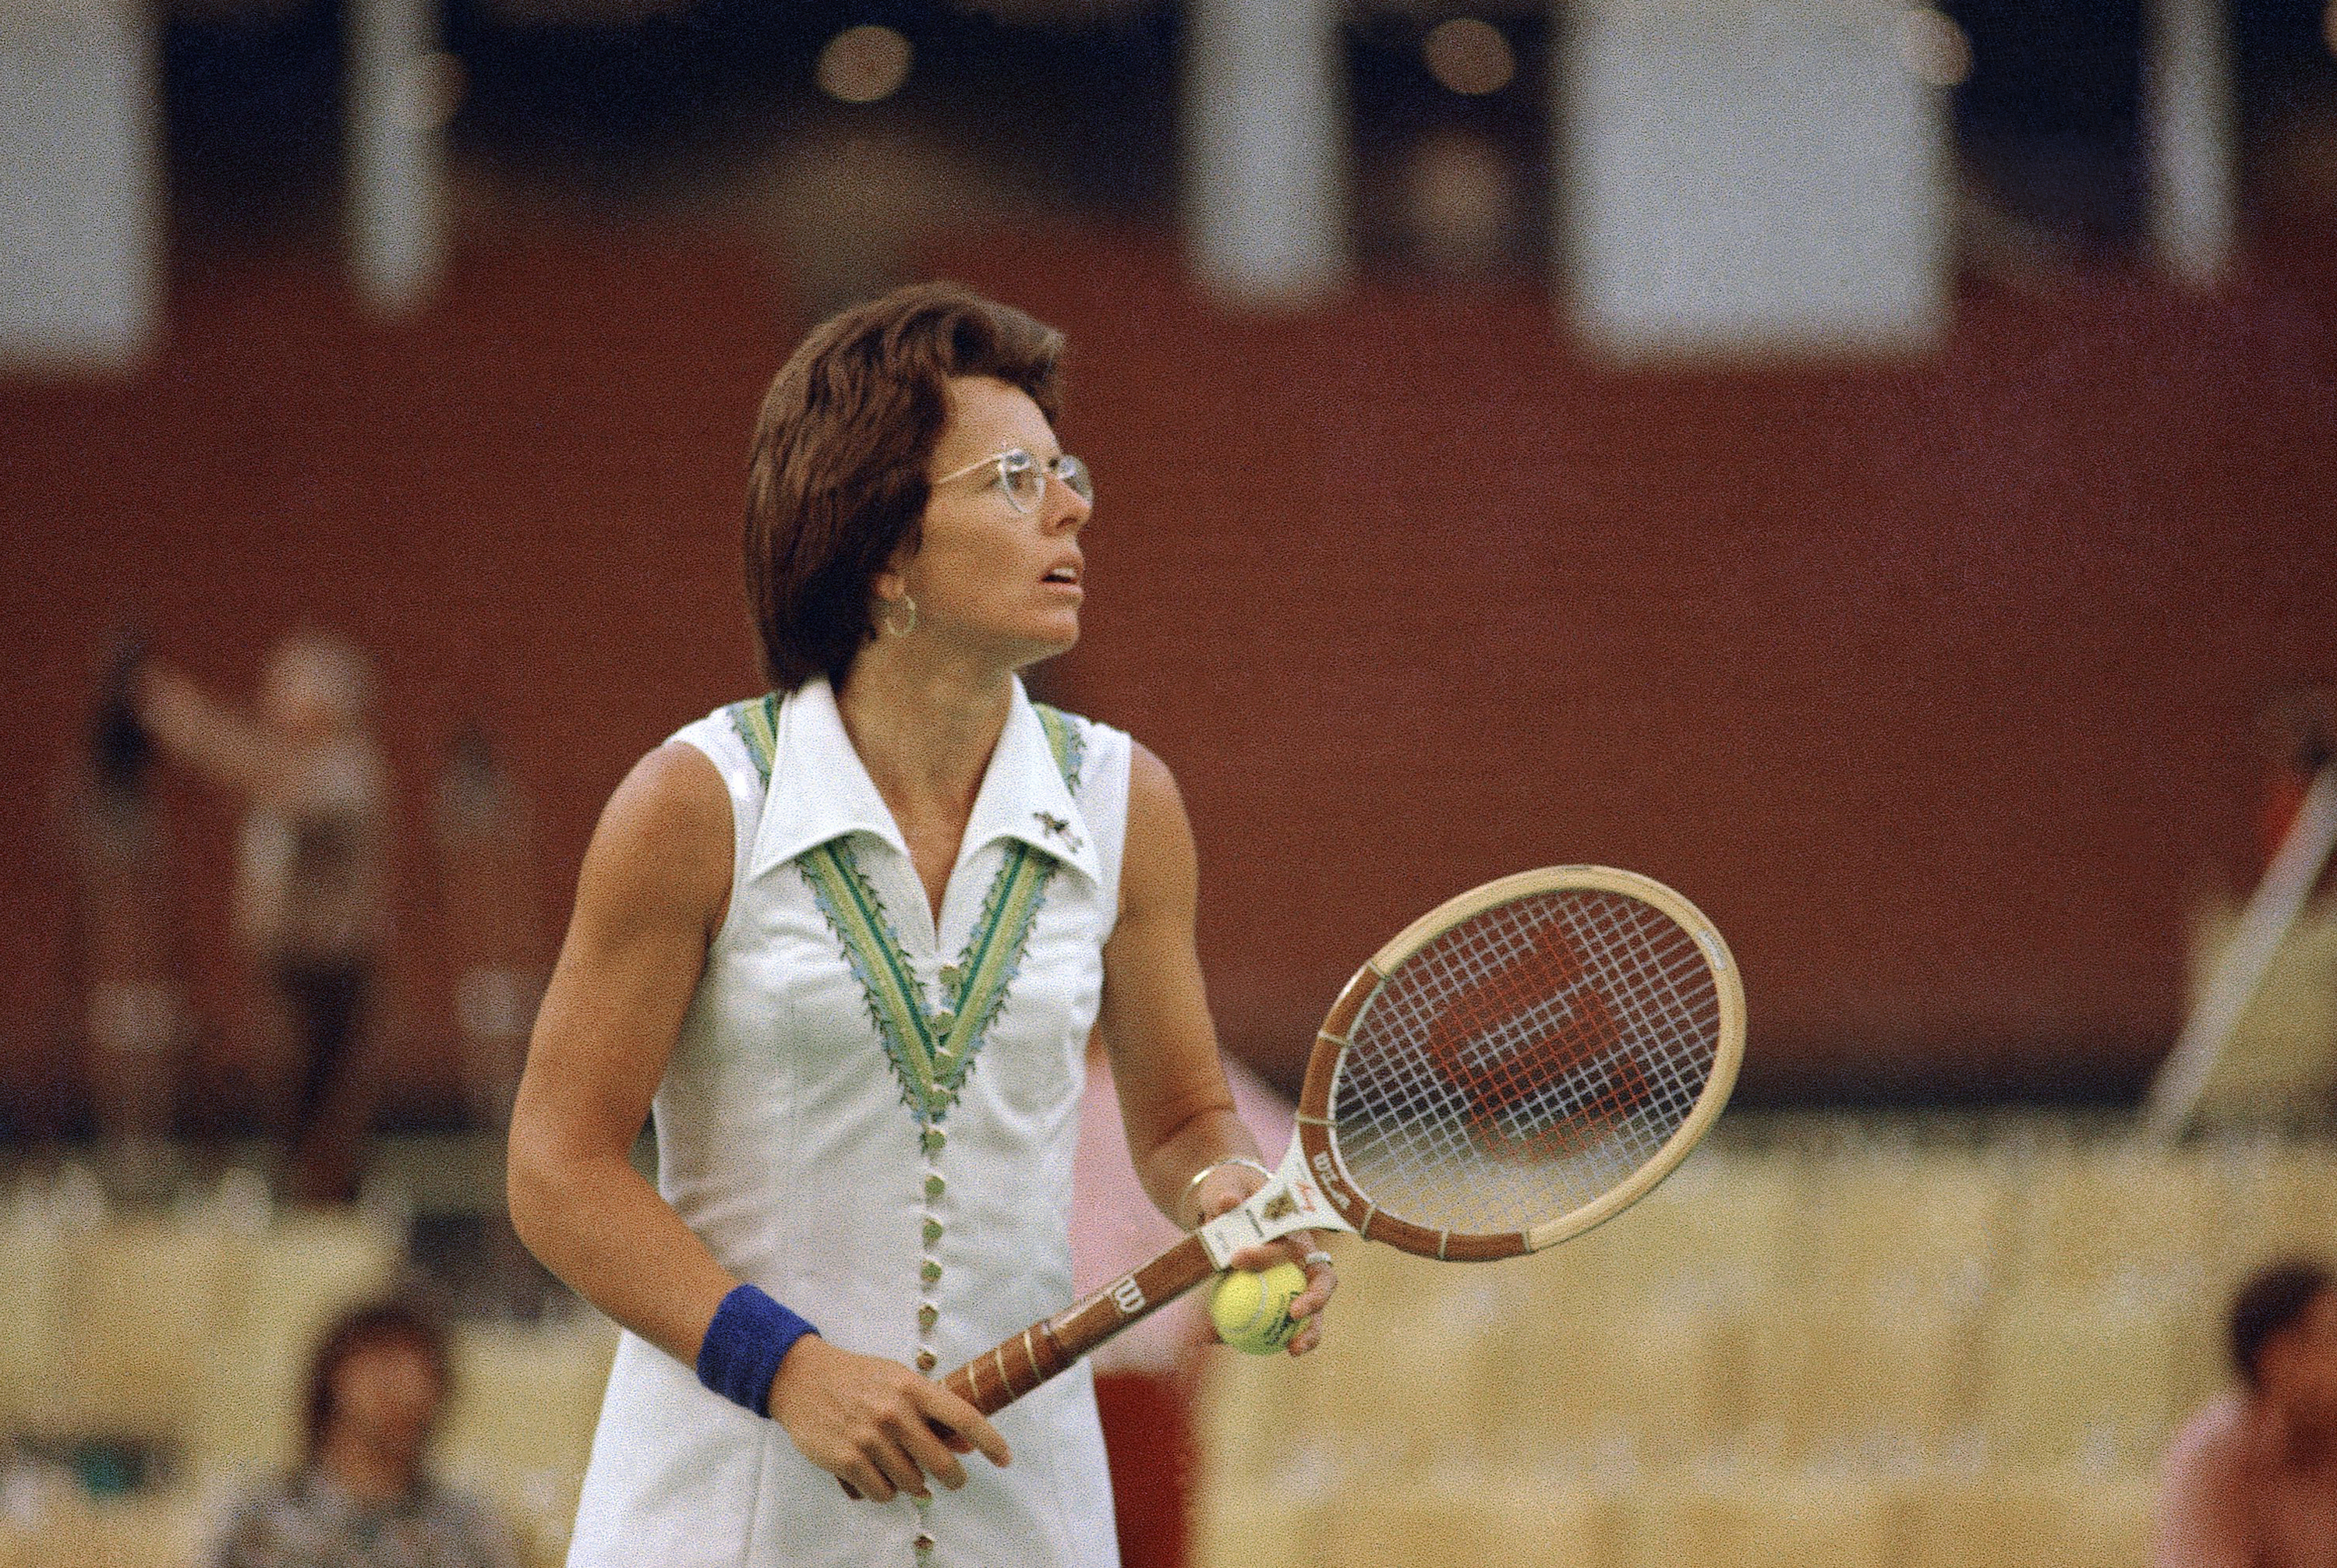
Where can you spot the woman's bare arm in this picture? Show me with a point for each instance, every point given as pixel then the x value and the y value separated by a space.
pixel 655 884
pixel 1174 1099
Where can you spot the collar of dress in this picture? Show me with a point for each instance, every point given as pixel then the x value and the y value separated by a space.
pixel 826 797
pixel 817 788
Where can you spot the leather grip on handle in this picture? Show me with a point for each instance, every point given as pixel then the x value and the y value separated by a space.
pixel 1015 1365
pixel 1011 1370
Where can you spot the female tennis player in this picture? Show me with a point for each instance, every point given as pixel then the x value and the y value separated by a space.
pixel 847 943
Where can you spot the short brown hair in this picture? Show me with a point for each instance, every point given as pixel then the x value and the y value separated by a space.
pixel 394 1320
pixel 836 481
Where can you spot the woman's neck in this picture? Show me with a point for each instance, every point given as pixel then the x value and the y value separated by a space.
pixel 924 729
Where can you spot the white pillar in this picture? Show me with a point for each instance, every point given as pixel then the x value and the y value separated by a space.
pixel 1265 176
pixel 81 185
pixel 395 216
pixel 2187 118
pixel 1749 177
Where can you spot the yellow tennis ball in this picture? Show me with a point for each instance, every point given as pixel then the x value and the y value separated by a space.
pixel 1252 1312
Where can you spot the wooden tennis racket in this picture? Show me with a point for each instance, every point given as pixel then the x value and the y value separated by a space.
pixel 1520 1063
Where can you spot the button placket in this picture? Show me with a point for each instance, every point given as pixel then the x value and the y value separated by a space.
pixel 931 1227
pixel 932 1224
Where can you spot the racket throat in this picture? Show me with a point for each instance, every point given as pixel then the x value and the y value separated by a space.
pixel 1293 1200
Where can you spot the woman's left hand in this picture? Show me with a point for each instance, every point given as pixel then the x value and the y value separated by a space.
pixel 1300 1247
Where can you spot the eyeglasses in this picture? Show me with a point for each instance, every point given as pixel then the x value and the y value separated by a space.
pixel 1023 477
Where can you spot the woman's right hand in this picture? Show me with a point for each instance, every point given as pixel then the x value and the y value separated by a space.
pixel 874 1424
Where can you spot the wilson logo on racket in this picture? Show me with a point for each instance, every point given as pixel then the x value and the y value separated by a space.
pixel 1539 1054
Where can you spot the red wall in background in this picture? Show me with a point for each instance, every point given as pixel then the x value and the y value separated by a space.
pixel 526 504
pixel 1932 682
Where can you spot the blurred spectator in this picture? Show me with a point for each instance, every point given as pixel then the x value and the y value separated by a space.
pixel 310 905
pixel 2251 1481
pixel 134 1017
pixel 1145 1377
pixel 364 1497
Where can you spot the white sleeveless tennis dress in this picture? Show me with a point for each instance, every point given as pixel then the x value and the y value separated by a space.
pixel 902 1182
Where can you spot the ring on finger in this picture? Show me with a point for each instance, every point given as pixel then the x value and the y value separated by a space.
pixel 1318 1259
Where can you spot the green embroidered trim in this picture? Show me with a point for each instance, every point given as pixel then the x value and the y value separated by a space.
pixel 930 1071
pixel 756 720
pixel 1063 740
pixel 931 1052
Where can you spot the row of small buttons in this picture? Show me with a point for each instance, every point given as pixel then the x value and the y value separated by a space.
pixel 933 1141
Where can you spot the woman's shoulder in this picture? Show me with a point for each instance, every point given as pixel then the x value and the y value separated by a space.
pixel 739 742
pixel 673 802
pixel 1151 784
pixel 660 855
pixel 737 732
pixel 1093 747
pixel 674 787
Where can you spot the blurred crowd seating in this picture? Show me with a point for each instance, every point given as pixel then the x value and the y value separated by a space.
pixel 153 1363
pixel 1826 1341
pixel 1811 1349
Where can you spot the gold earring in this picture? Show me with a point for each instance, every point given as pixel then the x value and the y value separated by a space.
pixel 887 617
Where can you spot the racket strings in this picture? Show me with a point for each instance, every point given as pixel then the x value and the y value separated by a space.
pixel 1526 1061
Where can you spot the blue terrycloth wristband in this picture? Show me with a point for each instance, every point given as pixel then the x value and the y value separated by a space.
pixel 749 1337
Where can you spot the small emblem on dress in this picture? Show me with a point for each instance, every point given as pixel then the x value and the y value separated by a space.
pixel 1057 828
